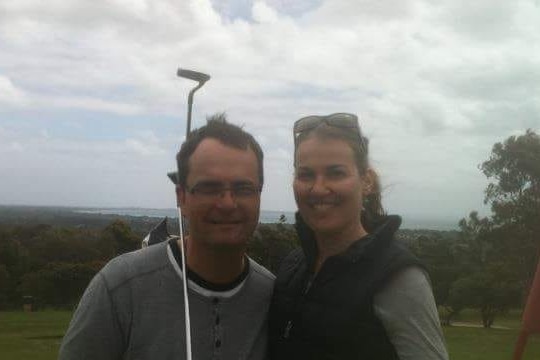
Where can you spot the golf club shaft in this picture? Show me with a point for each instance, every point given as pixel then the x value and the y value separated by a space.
pixel 201 78
pixel 184 285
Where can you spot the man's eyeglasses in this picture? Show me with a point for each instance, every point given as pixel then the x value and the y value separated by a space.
pixel 215 190
pixel 340 120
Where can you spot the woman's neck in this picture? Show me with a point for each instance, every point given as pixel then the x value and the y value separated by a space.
pixel 330 244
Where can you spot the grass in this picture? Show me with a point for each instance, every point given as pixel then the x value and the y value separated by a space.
pixel 477 343
pixel 465 343
pixel 37 336
pixel 32 336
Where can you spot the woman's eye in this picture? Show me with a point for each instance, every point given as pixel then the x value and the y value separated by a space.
pixel 304 176
pixel 334 174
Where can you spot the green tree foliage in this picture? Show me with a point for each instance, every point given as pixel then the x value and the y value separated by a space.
pixel 514 194
pixel 485 282
pixel 58 284
pixel 118 238
pixel 438 254
pixel 5 288
pixel 488 290
pixel 14 263
pixel 54 264
pixel 498 254
pixel 271 243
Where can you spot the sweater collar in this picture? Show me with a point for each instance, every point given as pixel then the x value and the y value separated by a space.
pixel 364 247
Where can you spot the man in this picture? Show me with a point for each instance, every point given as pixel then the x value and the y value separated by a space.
pixel 133 308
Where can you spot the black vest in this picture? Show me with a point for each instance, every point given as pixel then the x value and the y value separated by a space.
pixel 332 316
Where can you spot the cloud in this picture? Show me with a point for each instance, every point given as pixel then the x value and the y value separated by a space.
pixel 435 85
pixel 9 93
pixel 263 13
pixel 75 171
pixel 345 13
pixel 482 20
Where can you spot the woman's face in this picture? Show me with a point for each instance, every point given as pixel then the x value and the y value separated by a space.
pixel 328 188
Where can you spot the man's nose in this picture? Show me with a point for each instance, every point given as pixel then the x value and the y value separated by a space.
pixel 226 200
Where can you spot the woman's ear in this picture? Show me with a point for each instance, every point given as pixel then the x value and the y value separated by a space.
pixel 368 181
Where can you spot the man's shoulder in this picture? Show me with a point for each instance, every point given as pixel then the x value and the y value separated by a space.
pixel 263 275
pixel 135 264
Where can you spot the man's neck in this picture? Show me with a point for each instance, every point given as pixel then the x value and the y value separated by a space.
pixel 215 265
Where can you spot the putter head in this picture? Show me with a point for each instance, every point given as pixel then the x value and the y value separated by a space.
pixel 193 75
pixel 173 176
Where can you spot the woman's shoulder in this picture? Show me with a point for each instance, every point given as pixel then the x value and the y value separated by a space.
pixel 406 307
pixel 406 292
pixel 291 261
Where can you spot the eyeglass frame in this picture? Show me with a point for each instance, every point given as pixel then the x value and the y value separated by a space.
pixel 316 120
pixel 219 190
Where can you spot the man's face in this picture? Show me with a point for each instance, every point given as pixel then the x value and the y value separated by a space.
pixel 221 218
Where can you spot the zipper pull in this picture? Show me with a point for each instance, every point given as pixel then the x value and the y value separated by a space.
pixel 287 331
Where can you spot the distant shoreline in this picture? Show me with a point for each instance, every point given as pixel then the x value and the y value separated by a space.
pixel 266 216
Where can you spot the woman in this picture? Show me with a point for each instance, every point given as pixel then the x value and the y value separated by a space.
pixel 350 291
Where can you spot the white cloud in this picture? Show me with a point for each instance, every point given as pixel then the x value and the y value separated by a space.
pixel 425 77
pixel 481 20
pixel 263 13
pixel 9 93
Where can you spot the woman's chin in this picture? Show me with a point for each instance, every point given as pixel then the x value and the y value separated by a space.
pixel 323 226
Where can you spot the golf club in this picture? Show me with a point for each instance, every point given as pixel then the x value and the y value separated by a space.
pixel 201 78
pixel 195 76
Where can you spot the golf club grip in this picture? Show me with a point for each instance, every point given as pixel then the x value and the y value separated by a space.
pixel 193 75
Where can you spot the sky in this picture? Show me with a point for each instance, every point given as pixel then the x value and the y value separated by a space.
pixel 92 112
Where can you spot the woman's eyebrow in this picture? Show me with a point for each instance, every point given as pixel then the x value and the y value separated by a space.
pixel 335 167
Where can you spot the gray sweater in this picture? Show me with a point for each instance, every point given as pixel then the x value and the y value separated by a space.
pixel 133 309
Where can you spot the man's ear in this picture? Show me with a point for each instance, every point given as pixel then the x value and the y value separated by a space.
pixel 180 196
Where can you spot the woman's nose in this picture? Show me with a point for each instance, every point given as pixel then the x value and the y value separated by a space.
pixel 319 185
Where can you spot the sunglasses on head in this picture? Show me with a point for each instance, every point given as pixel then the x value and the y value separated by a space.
pixel 340 120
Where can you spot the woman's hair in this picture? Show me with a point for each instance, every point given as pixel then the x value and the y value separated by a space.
pixel 372 212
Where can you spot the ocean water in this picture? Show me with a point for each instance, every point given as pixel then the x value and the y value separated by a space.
pixel 266 216
pixel 272 216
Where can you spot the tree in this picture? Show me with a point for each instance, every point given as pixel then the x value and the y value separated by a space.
pixel 5 287
pixel 118 238
pixel 499 253
pixel 489 290
pixel 514 194
pixel 271 243
pixel 474 242
pixel 59 284
pixel 438 255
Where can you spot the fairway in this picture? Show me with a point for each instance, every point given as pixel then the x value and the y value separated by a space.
pixel 37 336
pixel 32 336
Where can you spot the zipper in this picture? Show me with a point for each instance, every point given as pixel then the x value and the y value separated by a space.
pixel 287 330
pixel 288 327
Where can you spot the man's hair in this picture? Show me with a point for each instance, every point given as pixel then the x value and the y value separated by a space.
pixel 228 134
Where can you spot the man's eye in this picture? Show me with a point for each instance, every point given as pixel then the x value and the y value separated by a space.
pixel 244 190
pixel 209 189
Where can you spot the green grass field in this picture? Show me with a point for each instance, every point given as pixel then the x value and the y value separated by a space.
pixel 37 336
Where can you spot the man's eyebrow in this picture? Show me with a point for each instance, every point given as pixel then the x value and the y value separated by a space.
pixel 220 183
pixel 210 183
pixel 242 183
